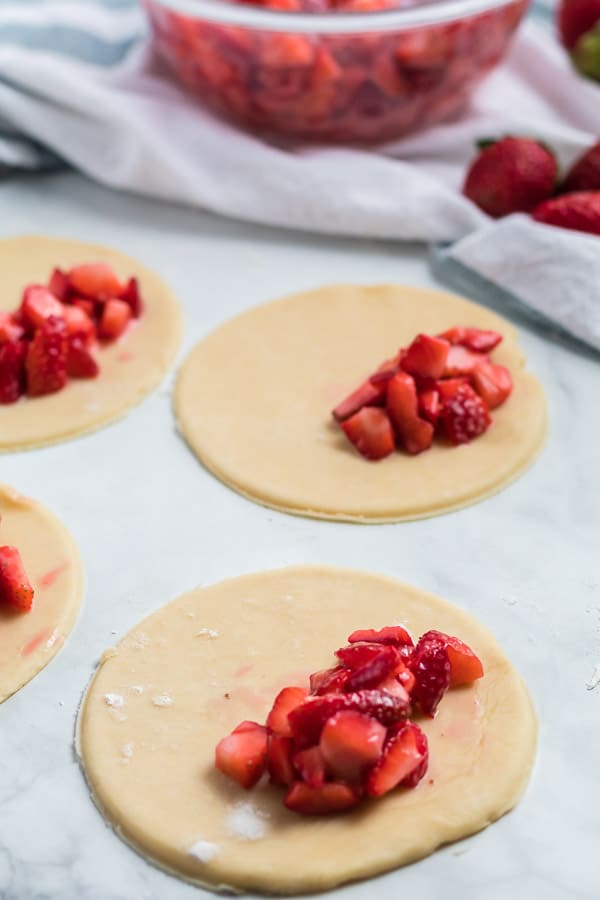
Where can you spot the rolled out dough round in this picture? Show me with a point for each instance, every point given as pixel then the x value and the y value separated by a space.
pixel 254 399
pixel 129 368
pixel 28 641
pixel 190 672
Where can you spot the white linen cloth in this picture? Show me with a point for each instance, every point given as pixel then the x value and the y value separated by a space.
pixel 77 84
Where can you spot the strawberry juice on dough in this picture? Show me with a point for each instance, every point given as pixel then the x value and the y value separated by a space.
pixel 181 680
pixel 28 641
pixel 254 399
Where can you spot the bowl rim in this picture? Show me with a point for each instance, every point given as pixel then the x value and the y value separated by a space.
pixel 433 12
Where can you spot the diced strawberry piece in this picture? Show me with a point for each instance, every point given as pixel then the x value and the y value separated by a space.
pixel 39 304
pixel 88 306
pixel 449 386
pixel 80 362
pixel 46 361
pixel 385 371
pixel 465 415
pixel 398 684
pixel 476 339
pixel 412 780
pixel 461 361
pixel 131 296
pixel 114 320
pixel 358 655
pixel 391 634
pixel 12 371
pixel 96 280
pixel 78 322
pixel 368 394
pixel 351 741
pixel 374 669
pixel 426 356
pixel 310 765
pixel 59 285
pixel 242 755
pixel 10 329
pixel 429 406
pixel 431 667
pixel 307 721
pixel 413 433
pixel 465 665
pixel 371 432
pixel 400 758
pixel 285 701
pixel 329 681
pixel 15 588
pixel 330 798
pixel 279 760
pixel 492 382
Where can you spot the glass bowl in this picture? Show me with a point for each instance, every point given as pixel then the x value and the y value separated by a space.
pixel 334 76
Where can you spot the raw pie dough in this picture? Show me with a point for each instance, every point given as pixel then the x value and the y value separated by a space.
pixel 28 641
pixel 189 673
pixel 130 367
pixel 253 401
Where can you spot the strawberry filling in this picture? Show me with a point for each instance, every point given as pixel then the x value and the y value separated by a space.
pixel 52 336
pixel 441 386
pixel 351 736
pixel 16 591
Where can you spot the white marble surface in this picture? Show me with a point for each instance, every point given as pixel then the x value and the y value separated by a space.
pixel 151 523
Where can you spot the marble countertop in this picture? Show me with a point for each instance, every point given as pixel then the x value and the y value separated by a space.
pixel 152 523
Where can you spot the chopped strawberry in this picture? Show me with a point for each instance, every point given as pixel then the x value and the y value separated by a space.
pixel 80 362
pixel 59 285
pixel 307 721
pixel 88 306
pixel 400 758
pixel 285 701
pixel 38 305
pixel 330 798
pixel 242 755
pixel 492 382
pixel 79 322
pixel 329 681
pixel 368 394
pixel 96 280
pixel 429 405
pixel 391 634
pixel 351 741
pixel 476 339
pixel 465 415
pixel 400 684
pixel 449 386
pixel 370 431
pixel 413 433
pixel 114 320
pixel 358 655
pixel 412 780
pixel 374 669
pixel 46 361
pixel 310 765
pixel 387 368
pixel 15 588
pixel 461 361
pixel 426 356
pixel 10 328
pixel 279 760
pixel 431 667
pixel 131 296
pixel 465 665
pixel 12 371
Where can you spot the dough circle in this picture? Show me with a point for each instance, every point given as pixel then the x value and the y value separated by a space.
pixel 28 641
pixel 217 656
pixel 253 401
pixel 129 368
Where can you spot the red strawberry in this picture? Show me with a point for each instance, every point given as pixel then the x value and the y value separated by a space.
pixel 59 285
pixel 329 681
pixel 285 701
pixel 461 361
pixel 86 305
pixel 511 175
pixel 465 415
pixel 465 665
pixel 373 670
pixel 114 319
pixel 310 765
pixel 412 780
pixel 431 667
pixel 80 362
pixel 96 280
pixel 584 174
pixel 578 212
pixel 46 361
pixel 400 682
pixel 492 382
pixel 12 370
pixel 414 433
pixel 38 305
pixel 367 394
pixel 391 634
pixel 370 431
pixel 79 322
pixel 387 368
pixel 330 798
pixel 576 18
pixel 10 328
pixel 349 743
pixel 279 760
pixel 242 755
pixel 476 339
pixel 426 356
pixel 357 655
pixel 307 721
pixel 15 589
pixel 429 406
pixel 449 386
pixel 401 757
pixel 131 296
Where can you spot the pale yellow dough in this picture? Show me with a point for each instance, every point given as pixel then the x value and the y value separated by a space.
pixel 217 656
pixel 254 400
pixel 28 641
pixel 130 367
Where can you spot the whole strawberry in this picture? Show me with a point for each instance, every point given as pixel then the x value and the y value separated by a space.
pixel 575 18
pixel 513 174
pixel 578 212
pixel 584 175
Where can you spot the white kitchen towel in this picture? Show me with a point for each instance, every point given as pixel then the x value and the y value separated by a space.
pixel 77 84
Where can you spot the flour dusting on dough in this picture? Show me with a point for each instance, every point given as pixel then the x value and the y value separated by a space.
pixel 207 632
pixel 162 700
pixel 245 821
pixel 115 701
pixel 203 851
